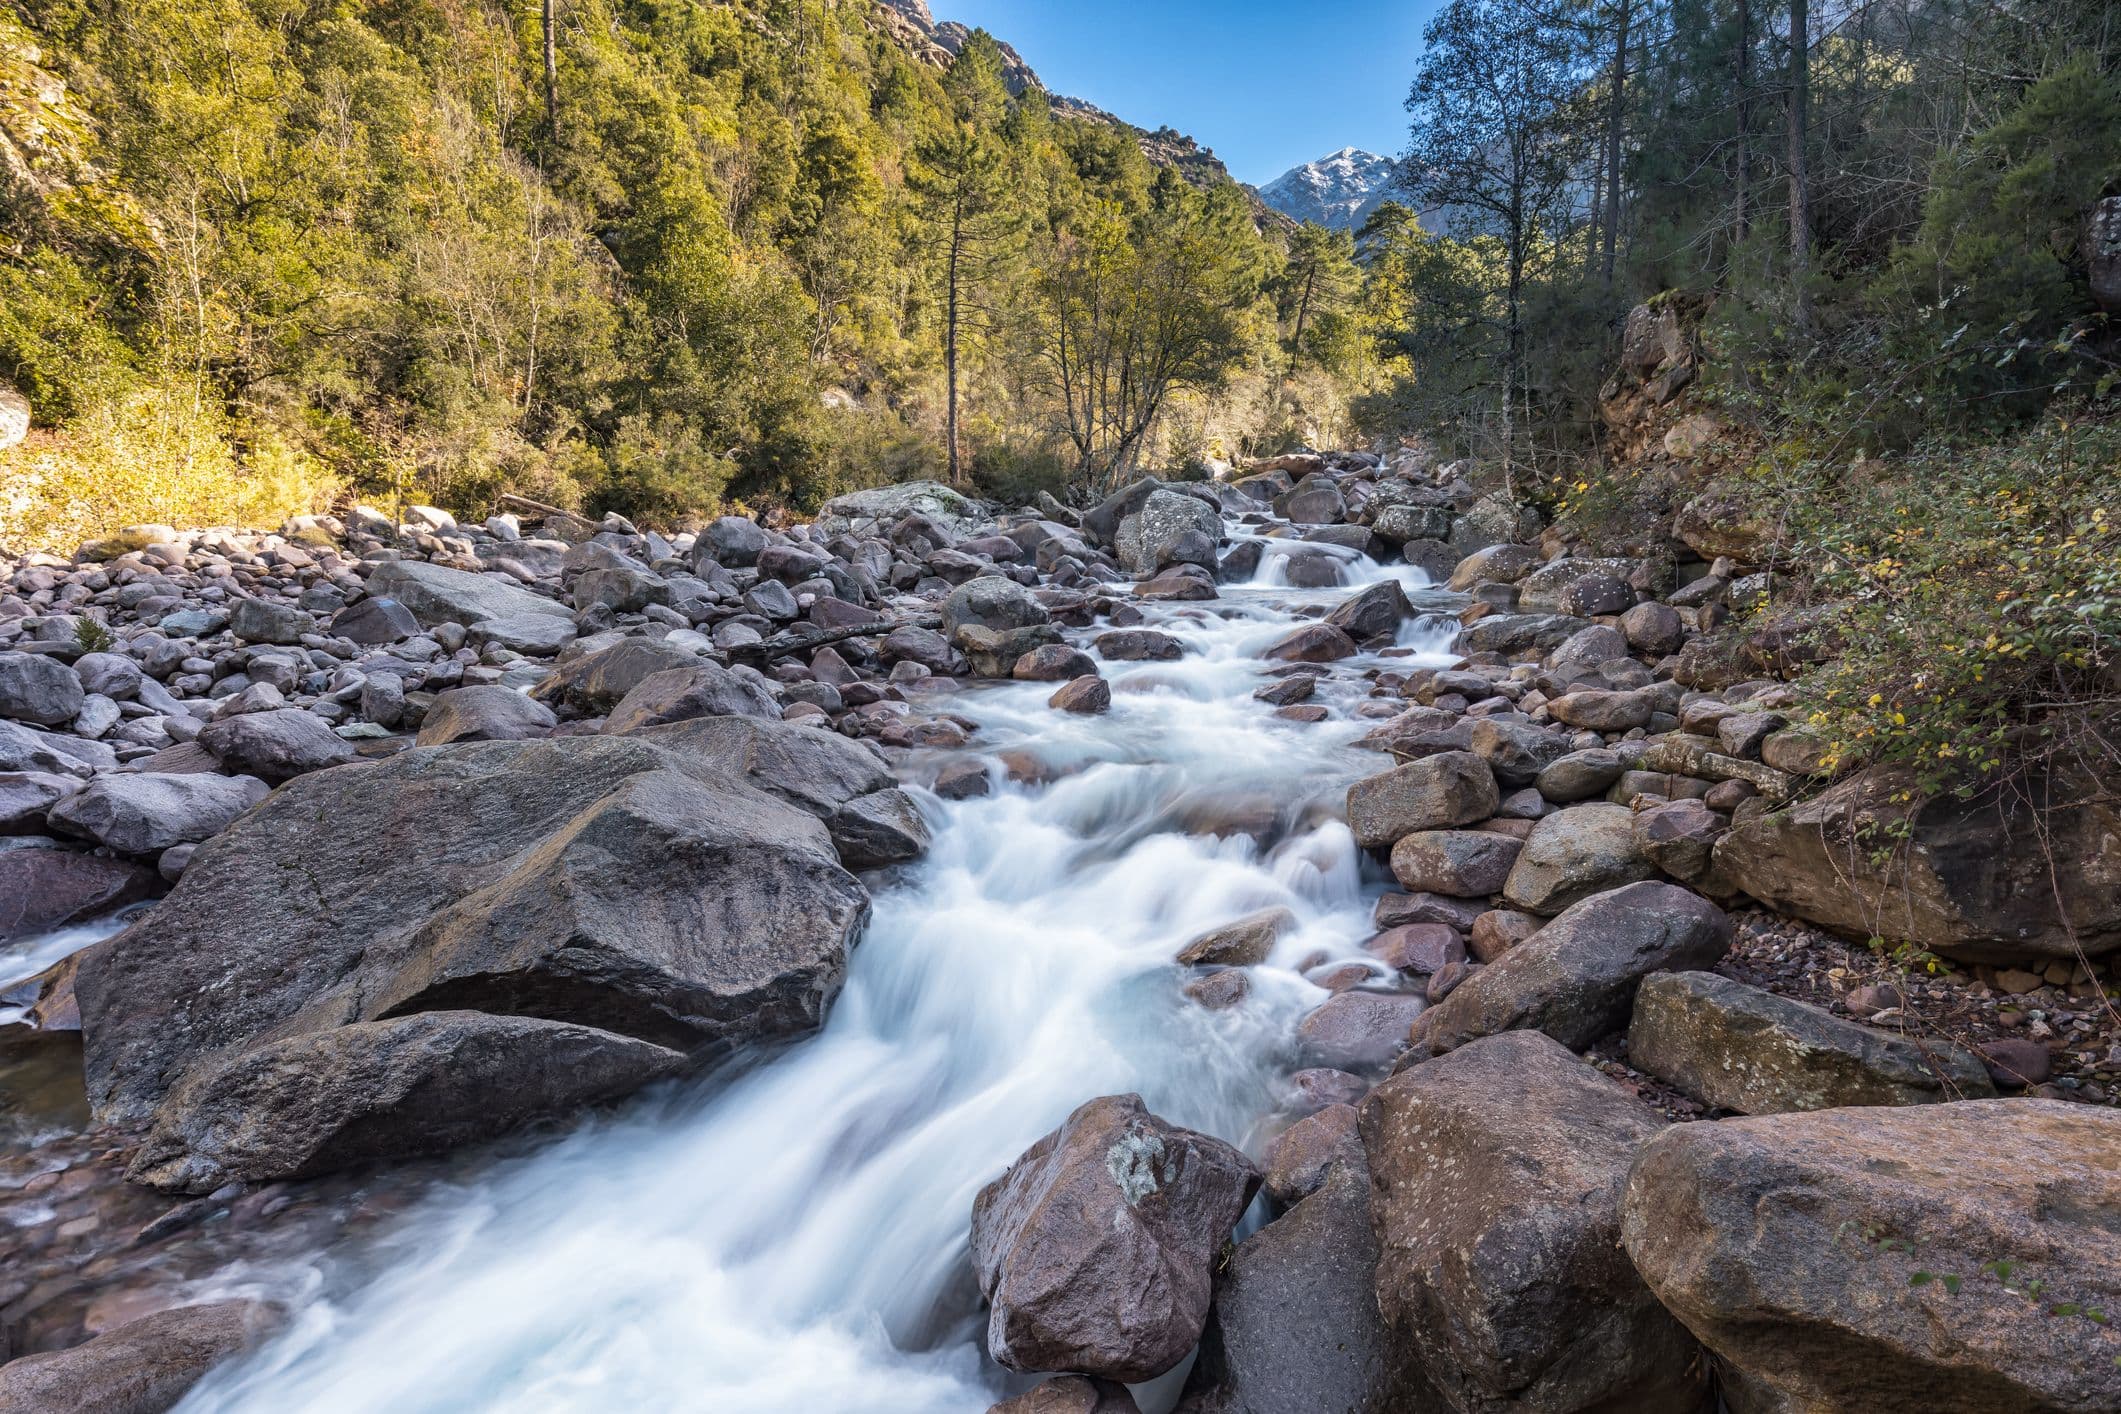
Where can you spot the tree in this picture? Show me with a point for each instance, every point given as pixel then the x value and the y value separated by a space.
pixel 1134 307
pixel 960 176
pixel 1800 91
pixel 1616 113
pixel 1489 144
pixel 1316 287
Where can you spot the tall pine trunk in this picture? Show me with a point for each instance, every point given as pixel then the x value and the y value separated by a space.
pixel 1800 193
pixel 1615 116
pixel 957 228
pixel 1741 217
pixel 552 75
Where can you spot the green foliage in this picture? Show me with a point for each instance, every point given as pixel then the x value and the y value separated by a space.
pixel 342 244
pixel 1974 593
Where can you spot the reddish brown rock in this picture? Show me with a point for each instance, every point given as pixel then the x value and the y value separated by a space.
pixel 1095 1249
pixel 1085 695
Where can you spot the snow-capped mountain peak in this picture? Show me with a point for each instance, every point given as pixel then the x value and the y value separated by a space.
pixel 1338 190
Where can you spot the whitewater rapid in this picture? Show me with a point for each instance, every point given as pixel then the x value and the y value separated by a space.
pixel 794 1238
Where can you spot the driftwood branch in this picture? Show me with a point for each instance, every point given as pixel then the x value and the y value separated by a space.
pixel 783 645
pixel 510 498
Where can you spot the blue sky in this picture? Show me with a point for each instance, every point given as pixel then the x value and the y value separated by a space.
pixel 1266 85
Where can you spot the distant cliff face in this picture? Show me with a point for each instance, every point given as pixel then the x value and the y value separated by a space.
pixel 1338 191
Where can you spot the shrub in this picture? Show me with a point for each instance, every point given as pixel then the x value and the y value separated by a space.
pixel 150 455
pixel 1976 595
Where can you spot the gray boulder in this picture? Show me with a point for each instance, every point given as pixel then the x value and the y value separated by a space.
pixel 731 541
pixel 143 1367
pixel 1439 792
pixel 873 512
pixel 267 621
pixel 641 887
pixel 34 688
pixel 594 683
pixel 1945 1259
pixel 537 635
pixel 1371 612
pixel 437 595
pixel 42 889
pixel 881 828
pixel 1170 528
pixel 1575 979
pixel 1573 854
pixel 275 746
pixel 1095 1250
pixel 1741 1048
pixel 149 812
pixel 680 694
pixel 382 1090
pixel 817 772
pixel 484 712
pixel 991 602
pixel 26 796
pixel 27 749
pixel 1294 1328
pixel 379 619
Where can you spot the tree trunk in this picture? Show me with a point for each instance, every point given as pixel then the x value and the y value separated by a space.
pixel 950 365
pixel 1303 312
pixel 1741 217
pixel 1800 195
pixel 1616 114
pixel 552 75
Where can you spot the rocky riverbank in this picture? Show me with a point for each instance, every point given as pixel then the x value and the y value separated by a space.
pixel 464 829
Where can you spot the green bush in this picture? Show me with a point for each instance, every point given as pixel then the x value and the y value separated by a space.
pixel 1974 597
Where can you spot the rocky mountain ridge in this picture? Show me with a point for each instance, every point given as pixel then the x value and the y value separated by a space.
pixel 1339 190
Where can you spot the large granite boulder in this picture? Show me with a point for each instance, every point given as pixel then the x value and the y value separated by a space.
pixel 143 1367
pixel 1095 1250
pixel 639 886
pixel 435 594
pixel 149 812
pixel 598 681
pixel 1170 528
pixel 1741 1048
pixel 1941 1259
pixel 382 1090
pixel 1575 979
pixel 34 688
pixel 874 511
pixel 275 746
pixel 1496 1181
pixel 1987 881
pixel 484 712
pixel 43 888
pixel 991 602
pixel 682 694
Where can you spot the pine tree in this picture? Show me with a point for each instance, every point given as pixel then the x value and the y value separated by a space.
pixel 961 177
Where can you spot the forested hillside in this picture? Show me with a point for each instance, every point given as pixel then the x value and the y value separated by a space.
pixel 258 254
pixel 1873 252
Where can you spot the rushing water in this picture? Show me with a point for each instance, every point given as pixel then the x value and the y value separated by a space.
pixel 794 1239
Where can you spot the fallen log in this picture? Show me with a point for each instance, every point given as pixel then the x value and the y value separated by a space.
pixel 784 645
